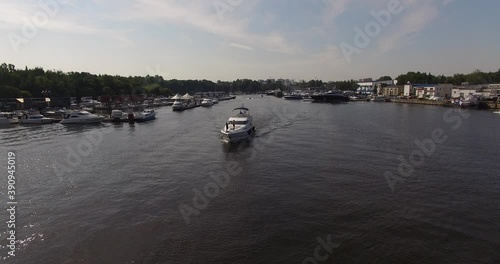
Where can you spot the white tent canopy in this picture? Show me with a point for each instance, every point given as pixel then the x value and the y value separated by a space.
pixel 177 97
pixel 187 96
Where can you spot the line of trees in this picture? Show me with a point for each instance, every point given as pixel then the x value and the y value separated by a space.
pixel 37 82
pixel 476 77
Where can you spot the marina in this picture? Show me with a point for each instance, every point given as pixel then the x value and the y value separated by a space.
pixel 303 156
pixel 250 132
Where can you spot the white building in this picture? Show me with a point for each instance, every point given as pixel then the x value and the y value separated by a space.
pixel 367 86
pixel 464 91
pixel 422 90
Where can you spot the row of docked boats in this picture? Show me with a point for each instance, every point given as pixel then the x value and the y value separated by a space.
pixel 238 127
pixel 328 97
pixel 121 116
pixel 35 118
pixel 187 101
pixel 74 117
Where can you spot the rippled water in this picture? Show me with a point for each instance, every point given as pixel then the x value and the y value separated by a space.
pixel 314 172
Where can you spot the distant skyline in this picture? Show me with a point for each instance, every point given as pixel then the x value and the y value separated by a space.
pixel 331 40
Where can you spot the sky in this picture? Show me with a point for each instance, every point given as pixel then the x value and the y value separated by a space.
pixel 331 40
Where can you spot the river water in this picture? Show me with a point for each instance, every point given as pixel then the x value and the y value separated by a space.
pixel 320 183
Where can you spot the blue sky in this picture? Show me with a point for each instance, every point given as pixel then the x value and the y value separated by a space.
pixel 257 39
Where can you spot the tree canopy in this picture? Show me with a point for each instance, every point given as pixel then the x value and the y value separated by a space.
pixel 476 77
pixel 37 82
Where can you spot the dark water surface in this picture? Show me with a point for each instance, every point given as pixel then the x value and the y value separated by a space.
pixel 314 172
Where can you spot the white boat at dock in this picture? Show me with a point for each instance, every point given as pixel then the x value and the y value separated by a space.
pixel 81 117
pixel 7 118
pixel 35 119
pixel 184 102
pixel 146 115
pixel 118 115
pixel 381 99
pixel 239 126
pixel 207 102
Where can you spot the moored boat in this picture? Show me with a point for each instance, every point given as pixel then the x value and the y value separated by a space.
pixel 330 97
pixel 207 102
pixel 293 97
pixel 35 119
pixel 8 118
pixel 184 102
pixel 81 117
pixel 146 115
pixel 381 99
pixel 118 116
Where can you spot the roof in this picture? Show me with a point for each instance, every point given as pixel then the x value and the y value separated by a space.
pixel 187 96
pixel 177 97
pixel 241 108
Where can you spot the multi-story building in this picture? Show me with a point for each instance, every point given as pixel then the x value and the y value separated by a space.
pixel 428 90
pixel 393 90
pixel 367 86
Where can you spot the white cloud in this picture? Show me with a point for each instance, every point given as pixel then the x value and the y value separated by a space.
pixel 447 2
pixel 334 8
pixel 16 16
pixel 415 17
pixel 240 46
pixel 203 16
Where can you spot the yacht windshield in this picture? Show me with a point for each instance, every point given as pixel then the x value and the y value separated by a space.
pixel 243 122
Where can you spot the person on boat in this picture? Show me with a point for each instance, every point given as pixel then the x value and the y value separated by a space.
pixel 234 124
pixel 227 126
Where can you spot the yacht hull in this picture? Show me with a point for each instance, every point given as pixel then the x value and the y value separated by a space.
pixel 234 137
pixel 36 121
pixel 83 121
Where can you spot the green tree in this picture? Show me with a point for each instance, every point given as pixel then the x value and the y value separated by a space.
pixel 9 92
pixel 385 78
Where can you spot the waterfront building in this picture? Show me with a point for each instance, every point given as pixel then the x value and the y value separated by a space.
pixel 428 90
pixel 392 90
pixel 465 91
pixel 367 86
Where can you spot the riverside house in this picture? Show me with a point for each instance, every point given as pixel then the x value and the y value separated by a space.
pixel 428 90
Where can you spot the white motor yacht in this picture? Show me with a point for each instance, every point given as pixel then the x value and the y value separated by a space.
pixel 146 115
pixel 118 116
pixel 178 105
pixel 35 119
pixel 207 102
pixel 8 118
pixel 381 99
pixel 81 117
pixel 239 126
